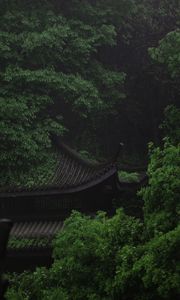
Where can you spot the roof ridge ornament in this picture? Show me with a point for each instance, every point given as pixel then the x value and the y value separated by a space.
pixel 118 152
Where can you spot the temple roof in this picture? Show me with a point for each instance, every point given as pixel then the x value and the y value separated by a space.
pixel 33 234
pixel 34 229
pixel 72 174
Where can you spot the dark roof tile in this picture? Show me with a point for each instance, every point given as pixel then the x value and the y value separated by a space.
pixel 72 173
pixel 33 229
pixel 33 234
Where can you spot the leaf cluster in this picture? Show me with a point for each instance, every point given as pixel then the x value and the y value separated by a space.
pixel 50 74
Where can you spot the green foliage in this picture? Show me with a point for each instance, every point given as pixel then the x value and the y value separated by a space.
pixel 105 258
pixel 161 196
pixel 34 282
pixel 50 77
pixel 20 243
pixel 168 52
pixel 159 266
pixel 150 271
pixel 85 258
pixel 128 177
pixel 59 69
pixel 171 123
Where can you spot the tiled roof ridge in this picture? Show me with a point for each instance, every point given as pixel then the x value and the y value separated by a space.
pixel 72 174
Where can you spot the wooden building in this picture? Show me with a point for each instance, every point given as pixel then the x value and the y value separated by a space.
pixel 38 212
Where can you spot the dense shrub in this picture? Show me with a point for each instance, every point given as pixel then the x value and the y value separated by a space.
pixel 161 196
pixel 84 258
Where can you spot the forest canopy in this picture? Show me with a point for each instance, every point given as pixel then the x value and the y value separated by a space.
pixel 82 70
pixel 51 77
pixel 96 73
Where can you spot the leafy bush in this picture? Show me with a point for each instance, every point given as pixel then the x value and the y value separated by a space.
pixel 171 123
pixel 128 177
pixel 158 267
pixel 84 258
pixel 161 196
pixel 168 52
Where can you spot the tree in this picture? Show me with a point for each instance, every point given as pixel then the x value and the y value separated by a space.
pixel 171 123
pixel 85 259
pixel 52 78
pixel 168 52
pixel 161 205
pixel 105 259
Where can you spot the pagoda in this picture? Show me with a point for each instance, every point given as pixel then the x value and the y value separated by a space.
pixel 38 212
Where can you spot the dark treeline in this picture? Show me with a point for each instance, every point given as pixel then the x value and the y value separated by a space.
pixel 96 72
pixel 148 87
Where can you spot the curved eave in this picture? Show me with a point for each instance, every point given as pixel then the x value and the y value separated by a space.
pixel 55 191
